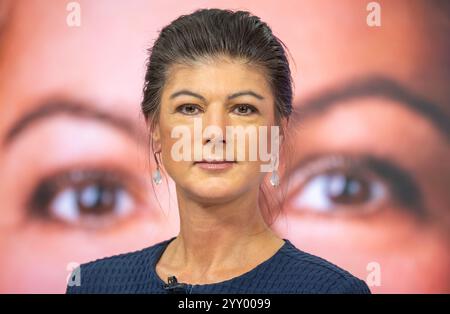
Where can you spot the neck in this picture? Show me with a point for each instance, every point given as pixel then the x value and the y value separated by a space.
pixel 220 235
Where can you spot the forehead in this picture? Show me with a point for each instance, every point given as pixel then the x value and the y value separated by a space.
pixel 332 42
pixel 217 75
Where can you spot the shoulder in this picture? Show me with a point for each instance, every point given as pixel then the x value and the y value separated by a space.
pixel 106 274
pixel 309 273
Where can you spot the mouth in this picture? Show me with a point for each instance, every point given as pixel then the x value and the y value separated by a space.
pixel 215 164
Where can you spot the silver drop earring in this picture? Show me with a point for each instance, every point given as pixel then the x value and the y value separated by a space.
pixel 274 178
pixel 157 179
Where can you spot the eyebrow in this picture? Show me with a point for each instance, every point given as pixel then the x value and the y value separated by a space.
pixel 243 93
pixel 54 107
pixel 187 92
pixel 373 86
pixel 232 96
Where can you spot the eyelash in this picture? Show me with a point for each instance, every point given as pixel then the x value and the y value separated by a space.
pixel 251 107
pixel 314 173
pixel 183 106
pixel 73 185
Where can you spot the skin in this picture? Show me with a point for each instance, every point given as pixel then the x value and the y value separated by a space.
pixel 332 48
pixel 222 231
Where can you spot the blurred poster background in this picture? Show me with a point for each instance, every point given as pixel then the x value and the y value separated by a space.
pixel 369 174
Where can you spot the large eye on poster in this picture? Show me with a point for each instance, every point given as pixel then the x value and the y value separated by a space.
pixel 224 146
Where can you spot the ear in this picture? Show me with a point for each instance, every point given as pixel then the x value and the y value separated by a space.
pixel 156 138
pixel 284 126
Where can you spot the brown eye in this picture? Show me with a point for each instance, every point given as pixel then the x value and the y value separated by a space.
pixel 188 109
pixel 338 190
pixel 334 183
pixel 347 189
pixel 99 199
pixel 90 199
pixel 347 184
pixel 244 109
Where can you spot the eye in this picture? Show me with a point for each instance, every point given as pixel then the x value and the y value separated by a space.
pixel 244 109
pixel 188 109
pixel 338 191
pixel 338 185
pixel 89 199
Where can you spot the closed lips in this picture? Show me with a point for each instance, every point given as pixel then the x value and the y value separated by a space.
pixel 215 161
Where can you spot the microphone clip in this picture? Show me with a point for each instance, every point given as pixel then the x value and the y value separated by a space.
pixel 174 286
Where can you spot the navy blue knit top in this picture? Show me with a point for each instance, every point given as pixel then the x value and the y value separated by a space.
pixel 289 270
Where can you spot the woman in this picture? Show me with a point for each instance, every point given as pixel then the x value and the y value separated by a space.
pixel 221 69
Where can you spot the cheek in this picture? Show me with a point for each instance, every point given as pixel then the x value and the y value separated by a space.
pixel 37 258
pixel 411 258
pixel 254 171
pixel 172 164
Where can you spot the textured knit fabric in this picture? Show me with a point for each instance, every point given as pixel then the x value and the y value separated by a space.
pixel 289 270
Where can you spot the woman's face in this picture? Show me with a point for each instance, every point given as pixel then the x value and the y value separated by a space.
pixel 220 93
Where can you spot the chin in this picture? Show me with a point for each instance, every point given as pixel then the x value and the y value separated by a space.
pixel 216 191
pixel 211 192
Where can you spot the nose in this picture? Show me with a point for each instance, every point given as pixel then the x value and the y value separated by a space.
pixel 215 120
